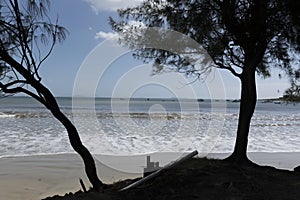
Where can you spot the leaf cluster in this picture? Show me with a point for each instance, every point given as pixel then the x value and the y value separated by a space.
pixel 260 34
pixel 27 37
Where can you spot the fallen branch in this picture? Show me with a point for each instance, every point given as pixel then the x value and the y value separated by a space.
pixel 156 173
pixel 82 185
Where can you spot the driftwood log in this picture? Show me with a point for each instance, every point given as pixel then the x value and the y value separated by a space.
pixel 156 173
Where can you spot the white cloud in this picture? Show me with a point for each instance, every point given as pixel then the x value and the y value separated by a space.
pixel 107 36
pixel 114 36
pixel 111 5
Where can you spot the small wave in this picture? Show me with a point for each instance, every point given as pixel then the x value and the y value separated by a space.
pixel 24 115
pixel 279 124
pixel 147 116
pixel 6 115
pixel 31 115
pixel 142 115
pixel 36 154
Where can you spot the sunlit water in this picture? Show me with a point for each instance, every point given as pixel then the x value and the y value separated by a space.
pixel 144 126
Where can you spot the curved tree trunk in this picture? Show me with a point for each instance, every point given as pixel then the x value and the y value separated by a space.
pixel 74 138
pixel 247 107
pixel 48 100
pixel 89 163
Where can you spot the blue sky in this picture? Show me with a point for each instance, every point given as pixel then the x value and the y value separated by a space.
pixel 87 22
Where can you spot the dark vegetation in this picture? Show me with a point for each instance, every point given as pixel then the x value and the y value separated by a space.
pixel 293 93
pixel 206 179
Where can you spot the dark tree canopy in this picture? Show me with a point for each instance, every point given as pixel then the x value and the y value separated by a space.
pixel 293 93
pixel 246 37
pixel 227 30
pixel 294 7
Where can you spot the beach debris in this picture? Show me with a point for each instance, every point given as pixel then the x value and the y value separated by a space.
pixel 151 167
pixel 158 172
pixel 82 185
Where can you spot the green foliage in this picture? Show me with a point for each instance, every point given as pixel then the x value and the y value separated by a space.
pixel 259 34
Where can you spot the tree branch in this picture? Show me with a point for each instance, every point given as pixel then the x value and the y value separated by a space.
pixel 21 90
pixel 50 50
pixel 221 66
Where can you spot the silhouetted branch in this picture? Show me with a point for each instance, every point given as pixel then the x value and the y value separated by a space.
pixel 221 66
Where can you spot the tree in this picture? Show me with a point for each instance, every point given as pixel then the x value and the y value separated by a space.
pixel 293 93
pixel 27 38
pixel 294 6
pixel 245 37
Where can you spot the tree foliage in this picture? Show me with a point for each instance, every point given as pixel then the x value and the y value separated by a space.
pixel 293 93
pixel 227 30
pixel 28 36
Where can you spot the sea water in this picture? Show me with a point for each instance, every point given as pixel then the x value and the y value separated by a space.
pixel 138 126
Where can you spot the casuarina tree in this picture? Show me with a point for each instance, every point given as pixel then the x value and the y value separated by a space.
pixel 245 37
pixel 293 93
pixel 27 38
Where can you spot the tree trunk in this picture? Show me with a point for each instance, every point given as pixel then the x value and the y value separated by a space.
pixel 247 107
pixel 89 163
pixel 74 138
pixel 47 99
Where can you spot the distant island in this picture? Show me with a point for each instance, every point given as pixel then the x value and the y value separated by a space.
pixel 279 100
pixel 285 98
pixel 290 98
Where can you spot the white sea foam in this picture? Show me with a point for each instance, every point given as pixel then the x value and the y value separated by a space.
pixel 5 115
pixel 140 132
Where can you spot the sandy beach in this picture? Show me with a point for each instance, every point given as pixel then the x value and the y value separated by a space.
pixel 36 177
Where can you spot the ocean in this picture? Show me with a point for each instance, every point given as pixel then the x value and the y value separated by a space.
pixel 138 126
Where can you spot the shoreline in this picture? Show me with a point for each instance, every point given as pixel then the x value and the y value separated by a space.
pixel 262 158
pixel 39 176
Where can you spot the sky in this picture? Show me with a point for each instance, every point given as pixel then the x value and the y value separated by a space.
pixel 89 63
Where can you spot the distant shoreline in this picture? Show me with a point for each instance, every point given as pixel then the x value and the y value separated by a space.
pixel 282 100
pixel 80 100
pixel 285 99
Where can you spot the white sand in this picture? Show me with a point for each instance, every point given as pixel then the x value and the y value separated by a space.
pixel 36 177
